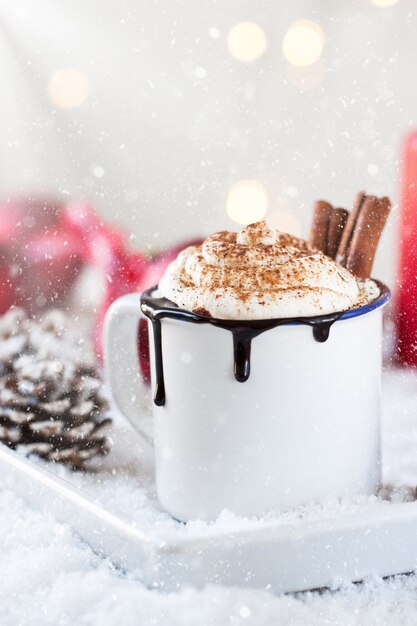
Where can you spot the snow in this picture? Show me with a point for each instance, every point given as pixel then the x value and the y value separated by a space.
pixel 50 576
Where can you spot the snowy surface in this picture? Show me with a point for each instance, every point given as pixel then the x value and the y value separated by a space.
pixel 50 576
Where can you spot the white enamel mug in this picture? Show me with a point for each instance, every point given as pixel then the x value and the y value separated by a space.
pixel 305 426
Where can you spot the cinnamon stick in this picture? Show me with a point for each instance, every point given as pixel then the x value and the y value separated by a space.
pixel 338 219
pixel 320 225
pixel 369 225
pixel 345 241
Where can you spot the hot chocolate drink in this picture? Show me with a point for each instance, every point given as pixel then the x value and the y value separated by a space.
pixel 299 323
pixel 260 278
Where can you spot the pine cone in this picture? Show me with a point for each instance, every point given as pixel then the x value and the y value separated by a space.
pixel 51 399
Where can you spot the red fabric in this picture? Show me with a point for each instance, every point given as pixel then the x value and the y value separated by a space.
pixel 37 259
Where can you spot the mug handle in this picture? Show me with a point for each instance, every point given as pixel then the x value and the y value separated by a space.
pixel 122 368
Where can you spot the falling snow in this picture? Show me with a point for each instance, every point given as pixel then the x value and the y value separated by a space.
pixel 177 120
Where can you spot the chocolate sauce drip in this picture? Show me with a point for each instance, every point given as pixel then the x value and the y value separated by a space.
pixel 243 332
pixel 321 333
pixel 159 395
pixel 242 343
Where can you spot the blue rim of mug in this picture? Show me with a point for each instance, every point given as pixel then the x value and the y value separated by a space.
pixel 380 301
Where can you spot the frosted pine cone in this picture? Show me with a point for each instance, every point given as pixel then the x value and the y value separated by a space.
pixel 51 398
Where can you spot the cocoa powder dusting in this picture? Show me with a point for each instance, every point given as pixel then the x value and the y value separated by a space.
pixel 202 311
pixel 257 267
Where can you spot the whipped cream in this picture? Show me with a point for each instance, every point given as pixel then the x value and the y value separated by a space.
pixel 261 273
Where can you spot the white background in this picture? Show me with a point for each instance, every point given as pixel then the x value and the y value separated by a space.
pixel 171 120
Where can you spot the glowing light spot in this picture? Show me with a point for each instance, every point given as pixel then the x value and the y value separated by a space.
pixel 167 453
pixel 372 169
pixel 285 222
pixel 291 192
pixel 214 32
pixel 247 202
pixel 186 357
pixel 244 612
pixel 384 3
pixel 306 78
pixel 68 88
pixel 98 171
pixel 303 43
pixel 200 72
pixel 246 41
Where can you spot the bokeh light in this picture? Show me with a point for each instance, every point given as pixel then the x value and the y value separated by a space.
pixel 246 41
pixel 247 202
pixel 384 3
pixel 303 43
pixel 285 222
pixel 68 88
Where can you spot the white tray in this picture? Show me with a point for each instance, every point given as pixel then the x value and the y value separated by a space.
pixel 317 546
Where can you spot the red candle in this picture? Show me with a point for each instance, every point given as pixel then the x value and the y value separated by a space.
pixel 407 291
